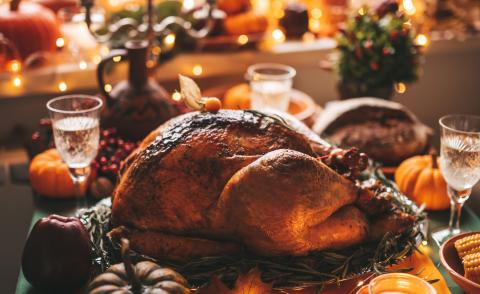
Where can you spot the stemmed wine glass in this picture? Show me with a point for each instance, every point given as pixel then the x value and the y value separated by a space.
pixel 76 130
pixel 460 165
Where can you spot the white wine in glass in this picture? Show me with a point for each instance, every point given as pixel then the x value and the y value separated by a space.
pixel 76 130
pixel 460 165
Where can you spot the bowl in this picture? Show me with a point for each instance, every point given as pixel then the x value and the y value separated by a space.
pixel 453 264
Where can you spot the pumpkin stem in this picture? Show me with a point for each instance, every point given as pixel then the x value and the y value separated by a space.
pixel 14 5
pixel 129 268
pixel 434 155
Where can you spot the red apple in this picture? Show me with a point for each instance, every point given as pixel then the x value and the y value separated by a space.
pixel 58 254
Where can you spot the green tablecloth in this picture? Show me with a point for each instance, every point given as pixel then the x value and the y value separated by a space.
pixel 470 222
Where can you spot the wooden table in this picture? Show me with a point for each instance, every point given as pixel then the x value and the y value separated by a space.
pixel 470 222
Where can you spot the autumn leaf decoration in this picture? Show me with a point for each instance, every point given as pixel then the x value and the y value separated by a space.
pixel 249 283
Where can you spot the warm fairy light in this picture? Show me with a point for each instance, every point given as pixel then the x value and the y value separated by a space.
pixel 169 40
pixel 151 63
pixel 107 88
pixel 424 242
pixel 177 96
pixel 197 70
pixel 62 86
pixel 278 35
pixel 14 66
pixel 421 40
pixel 316 13
pixel 104 50
pixel 279 13
pixel 314 25
pixel 60 42
pixel 156 50
pixel 400 88
pixel 83 65
pixel 117 58
pixel 308 37
pixel 362 11
pixel 360 283
pixel 17 82
pixel 409 7
pixel 242 39
pixel 188 4
pixel 97 59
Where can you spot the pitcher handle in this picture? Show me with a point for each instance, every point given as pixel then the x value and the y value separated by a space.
pixel 118 53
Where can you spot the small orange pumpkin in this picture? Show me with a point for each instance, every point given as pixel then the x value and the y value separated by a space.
pixel 237 97
pixel 49 176
pixel 420 179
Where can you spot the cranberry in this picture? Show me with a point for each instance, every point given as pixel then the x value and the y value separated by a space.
pixel 113 168
pixel 36 136
pixel 106 133
pixel 45 122
pixel 105 169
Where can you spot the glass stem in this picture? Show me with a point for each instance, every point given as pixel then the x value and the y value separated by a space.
pixel 79 176
pixel 457 199
pixel 455 216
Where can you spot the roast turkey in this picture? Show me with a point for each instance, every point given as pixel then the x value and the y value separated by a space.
pixel 216 183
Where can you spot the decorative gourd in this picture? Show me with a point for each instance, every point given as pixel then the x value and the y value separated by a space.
pixel 237 97
pixel 145 277
pixel 420 179
pixel 49 176
pixel 29 26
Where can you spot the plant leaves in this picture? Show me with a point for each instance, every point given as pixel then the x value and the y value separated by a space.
pixel 214 286
pixel 249 283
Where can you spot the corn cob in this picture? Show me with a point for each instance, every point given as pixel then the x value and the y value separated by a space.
pixel 471 264
pixel 468 245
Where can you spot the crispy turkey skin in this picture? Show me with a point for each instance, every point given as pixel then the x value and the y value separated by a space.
pixel 205 184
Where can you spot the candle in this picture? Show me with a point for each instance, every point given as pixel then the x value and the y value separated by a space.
pixel 397 283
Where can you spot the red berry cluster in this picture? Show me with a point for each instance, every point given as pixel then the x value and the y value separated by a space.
pixel 111 151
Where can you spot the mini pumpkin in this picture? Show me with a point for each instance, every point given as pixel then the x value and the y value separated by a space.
pixel 49 176
pixel 419 178
pixel 145 277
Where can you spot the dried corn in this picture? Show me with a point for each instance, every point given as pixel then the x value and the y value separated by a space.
pixel 471 264
pixel 468 245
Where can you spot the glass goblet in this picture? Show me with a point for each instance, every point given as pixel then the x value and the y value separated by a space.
pixel 76 130
pixel 270 85
pixel 460 165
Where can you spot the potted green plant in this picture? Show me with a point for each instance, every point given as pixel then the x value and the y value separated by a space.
pixel 376 50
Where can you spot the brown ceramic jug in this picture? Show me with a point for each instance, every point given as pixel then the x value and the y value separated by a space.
pixel 138 105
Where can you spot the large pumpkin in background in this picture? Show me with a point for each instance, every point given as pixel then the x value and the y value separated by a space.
pixel 29 27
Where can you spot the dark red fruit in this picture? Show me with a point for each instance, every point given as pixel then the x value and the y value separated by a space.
pixel 57 254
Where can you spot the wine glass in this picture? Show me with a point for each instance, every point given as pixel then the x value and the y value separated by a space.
pixel 460 165
pixel 76 130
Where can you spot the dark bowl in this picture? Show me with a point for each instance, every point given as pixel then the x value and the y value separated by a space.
pixel 453 264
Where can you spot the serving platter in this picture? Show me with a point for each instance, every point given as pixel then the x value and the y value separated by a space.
pixel 318 269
